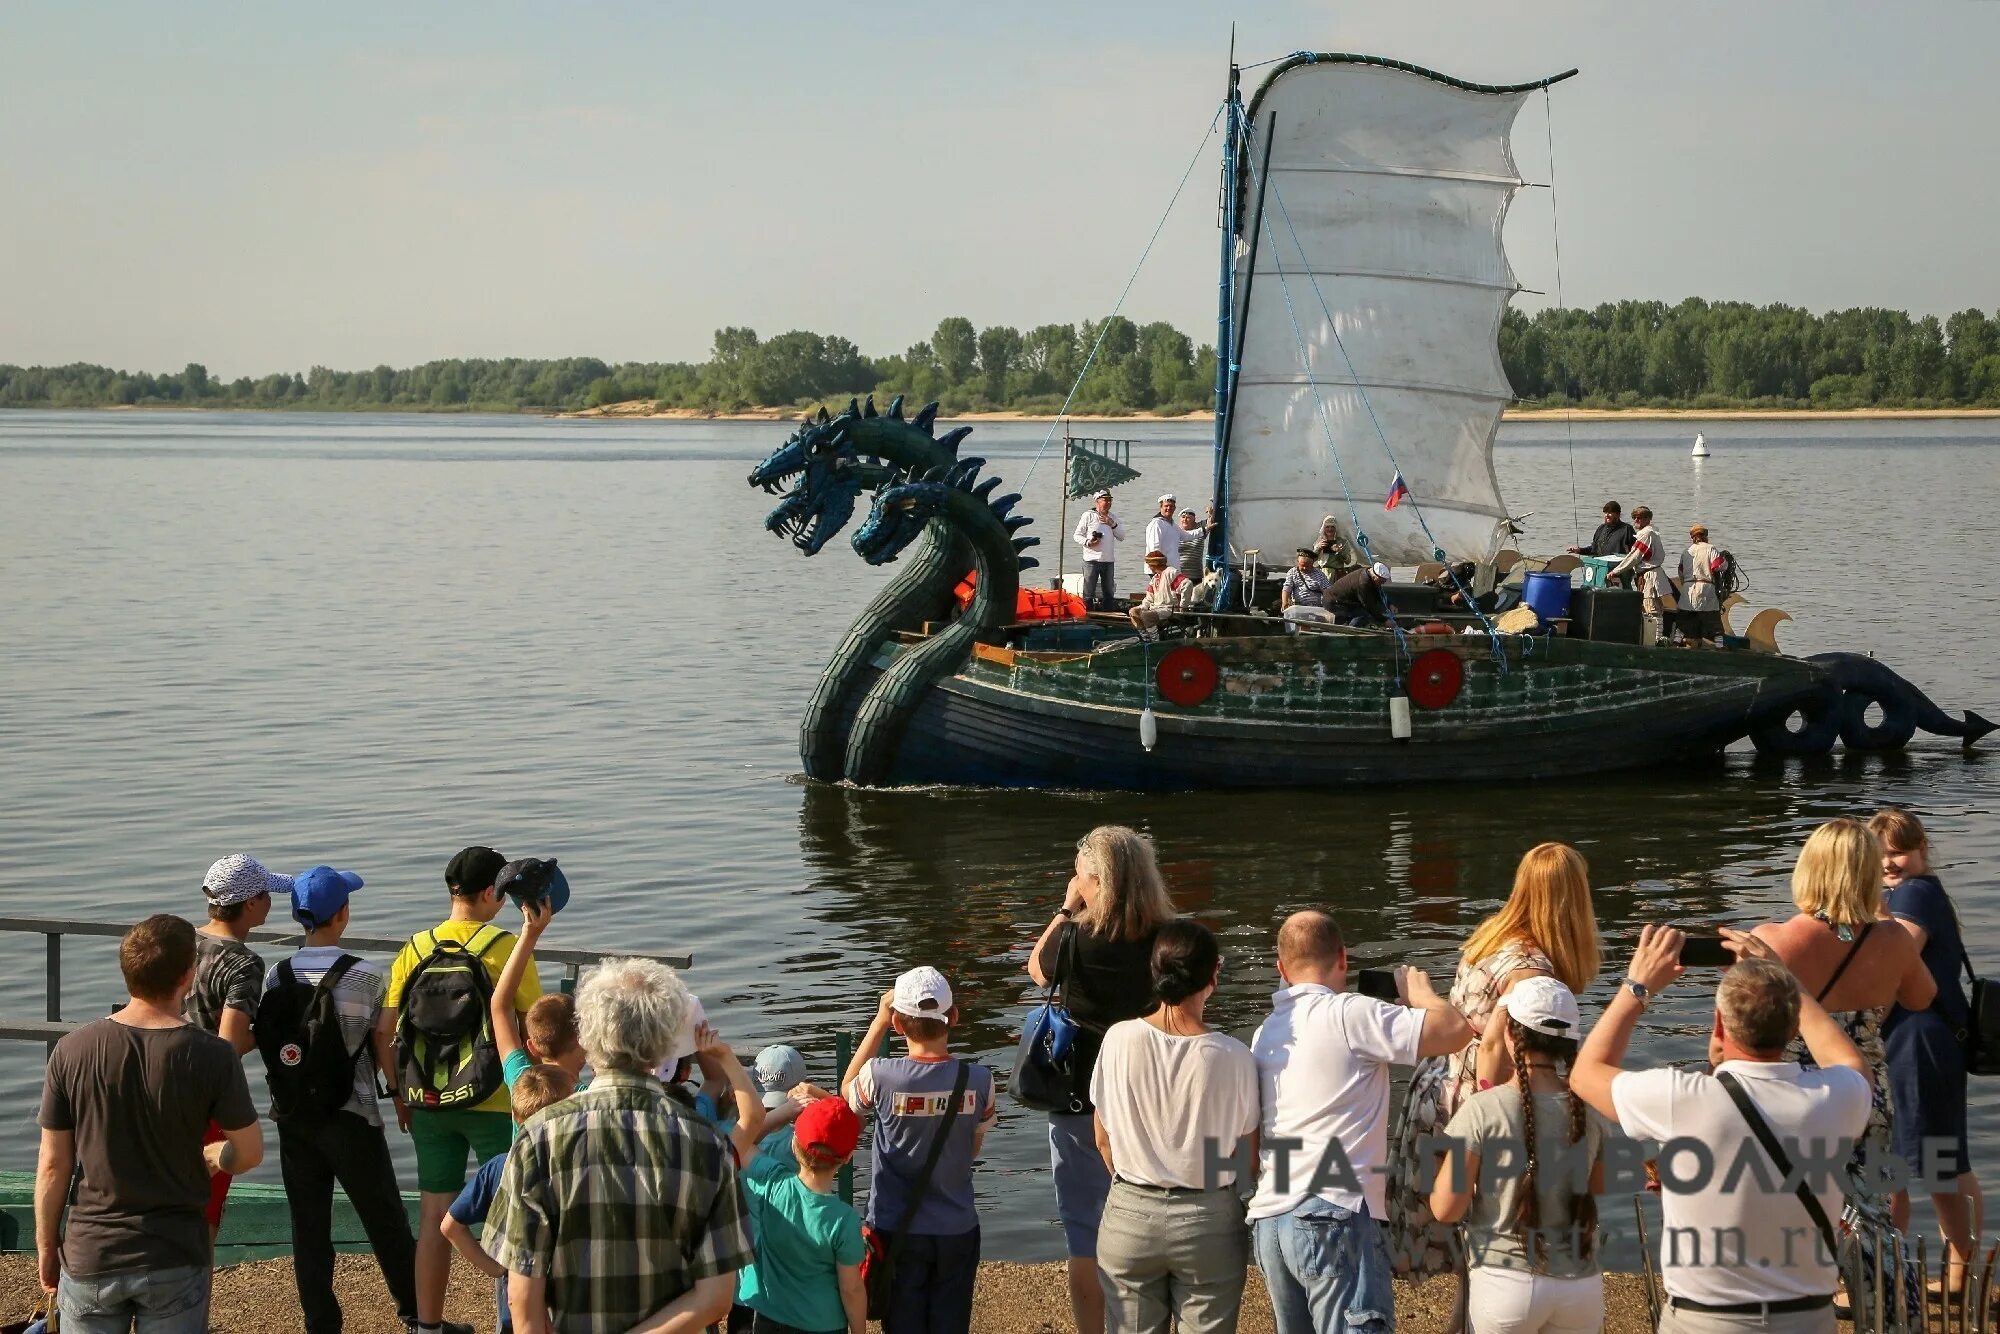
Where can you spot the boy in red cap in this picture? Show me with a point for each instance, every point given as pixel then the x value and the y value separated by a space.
pixel 807 1279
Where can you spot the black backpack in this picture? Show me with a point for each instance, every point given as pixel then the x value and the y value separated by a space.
pixel 306 1060
pixel 1728 577
pixel 446 1055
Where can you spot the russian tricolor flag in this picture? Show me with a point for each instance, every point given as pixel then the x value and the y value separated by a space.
pixel 1398 493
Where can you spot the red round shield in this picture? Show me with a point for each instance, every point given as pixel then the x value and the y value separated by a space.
pixel 1186 676
pixel 1436 677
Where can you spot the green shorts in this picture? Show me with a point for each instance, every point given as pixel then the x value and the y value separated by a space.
pixel 444 1136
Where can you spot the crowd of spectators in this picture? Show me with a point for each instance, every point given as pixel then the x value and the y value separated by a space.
pixel 565 1148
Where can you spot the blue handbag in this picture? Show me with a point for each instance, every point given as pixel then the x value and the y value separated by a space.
pixel 1044 1079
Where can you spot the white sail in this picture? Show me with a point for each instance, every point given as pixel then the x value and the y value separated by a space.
pixel 1389 188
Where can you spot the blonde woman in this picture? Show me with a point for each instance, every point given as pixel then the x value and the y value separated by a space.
pixel 1843 949
pixel 1098 947
pixel 1548 928
pixel 1925 1059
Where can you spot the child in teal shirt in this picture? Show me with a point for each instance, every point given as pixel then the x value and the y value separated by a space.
pixel 807 1279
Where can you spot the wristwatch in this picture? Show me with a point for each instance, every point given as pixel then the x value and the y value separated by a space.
pixel 1640 991
pixel 1065 912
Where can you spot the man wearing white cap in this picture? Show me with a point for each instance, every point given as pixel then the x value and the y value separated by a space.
pixel 1747 1205
pixel 1098 532
pixel 1358 597
pixel 1163 534
pixel 228 975
pixel 1323 1061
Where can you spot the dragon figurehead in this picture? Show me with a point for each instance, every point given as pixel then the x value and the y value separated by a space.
pixel 830 460
pixel 903 508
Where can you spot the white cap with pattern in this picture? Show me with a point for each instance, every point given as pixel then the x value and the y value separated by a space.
pixel 238 878
pixel 922 993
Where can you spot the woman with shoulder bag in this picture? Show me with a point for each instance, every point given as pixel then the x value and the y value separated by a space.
pixel 1925 1046
pixel 1098 947
pixel 1843 949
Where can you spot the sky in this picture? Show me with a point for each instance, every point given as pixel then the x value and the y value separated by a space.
pixel 271 187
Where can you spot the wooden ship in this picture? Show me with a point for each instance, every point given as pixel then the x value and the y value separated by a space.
pixel 1363 285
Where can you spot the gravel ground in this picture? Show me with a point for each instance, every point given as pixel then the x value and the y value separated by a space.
pixel 1011 1299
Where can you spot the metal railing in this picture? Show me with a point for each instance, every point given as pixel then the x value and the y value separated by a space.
pixel 52 1025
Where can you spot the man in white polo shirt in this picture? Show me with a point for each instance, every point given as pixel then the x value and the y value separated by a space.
pixel 1741 1246
pixel 1323 1061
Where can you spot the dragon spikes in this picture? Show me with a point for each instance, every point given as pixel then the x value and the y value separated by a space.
pixel 951 440
pixel 926 418
pixel 868 410
pixel 896 408
pixel 823 417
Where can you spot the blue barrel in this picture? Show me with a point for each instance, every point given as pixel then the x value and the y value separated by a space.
pixel 1548 594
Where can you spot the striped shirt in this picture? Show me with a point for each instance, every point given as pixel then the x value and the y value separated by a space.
pixel 623 1199
pixel 357 999
pixel 1307 587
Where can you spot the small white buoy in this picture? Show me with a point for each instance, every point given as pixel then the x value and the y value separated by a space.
pixel 1700 446
pixel 1149 729
pixel 1399 717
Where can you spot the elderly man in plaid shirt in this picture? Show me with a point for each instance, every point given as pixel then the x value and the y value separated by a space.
pixel 619 1208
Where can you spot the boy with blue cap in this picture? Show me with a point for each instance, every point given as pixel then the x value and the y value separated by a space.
pixel 320 1145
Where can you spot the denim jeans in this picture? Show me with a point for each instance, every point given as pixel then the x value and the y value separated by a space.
pixel 1099 591
pixel 931 1292
pixel 149 1301
pixel 1328 1270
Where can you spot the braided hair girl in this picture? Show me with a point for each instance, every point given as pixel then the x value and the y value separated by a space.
pixel 1531 1234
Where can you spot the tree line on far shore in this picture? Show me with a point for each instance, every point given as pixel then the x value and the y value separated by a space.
pixel 1697 354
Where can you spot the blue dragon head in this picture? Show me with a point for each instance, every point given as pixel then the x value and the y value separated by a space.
pixel 897 519
pixel 821 457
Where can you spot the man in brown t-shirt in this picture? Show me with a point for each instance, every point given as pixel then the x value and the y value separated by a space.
pixel 130 1097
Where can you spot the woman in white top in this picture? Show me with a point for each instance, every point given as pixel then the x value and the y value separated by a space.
pixel 1172 1246
pixel 1531 1226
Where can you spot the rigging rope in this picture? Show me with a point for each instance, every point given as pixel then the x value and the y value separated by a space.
pixel 1555 227
pixel 1063 414
pixel 1361 538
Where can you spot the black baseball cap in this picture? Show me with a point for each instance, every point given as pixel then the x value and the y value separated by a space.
pixel 473 869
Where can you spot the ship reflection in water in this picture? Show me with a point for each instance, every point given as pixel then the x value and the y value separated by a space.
pixel 965 879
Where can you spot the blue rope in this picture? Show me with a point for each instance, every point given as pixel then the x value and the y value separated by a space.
pixel 1105 328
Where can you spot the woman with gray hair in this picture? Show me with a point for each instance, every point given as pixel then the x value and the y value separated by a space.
pixel 1098 947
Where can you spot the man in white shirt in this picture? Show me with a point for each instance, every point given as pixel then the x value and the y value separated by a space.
pixel 1098 532
pixel 1648 557
pixel 1323 1061
pixel 1164 534
pixel 1739 1243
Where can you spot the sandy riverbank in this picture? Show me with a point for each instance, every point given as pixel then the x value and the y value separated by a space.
pixel 1011 1299
pixel 643 410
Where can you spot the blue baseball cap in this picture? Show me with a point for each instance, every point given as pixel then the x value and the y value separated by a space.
pixel 533 879
pixel 318 895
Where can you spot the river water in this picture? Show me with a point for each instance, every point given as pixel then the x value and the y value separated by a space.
pixel 370 640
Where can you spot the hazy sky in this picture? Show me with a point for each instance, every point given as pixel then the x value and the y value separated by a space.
pixel 266 187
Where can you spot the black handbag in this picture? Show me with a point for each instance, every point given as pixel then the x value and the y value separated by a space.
pixel 1044 1078
pixel 1981 1034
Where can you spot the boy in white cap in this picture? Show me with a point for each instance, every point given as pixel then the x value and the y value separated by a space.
pixel 228 975
pixel 912 1098
pixel 1098 532
pixel 1531 1221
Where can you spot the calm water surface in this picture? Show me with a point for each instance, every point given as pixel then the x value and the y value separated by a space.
pixel 372 640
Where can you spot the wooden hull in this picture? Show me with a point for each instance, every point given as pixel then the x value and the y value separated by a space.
pixel 1313 711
